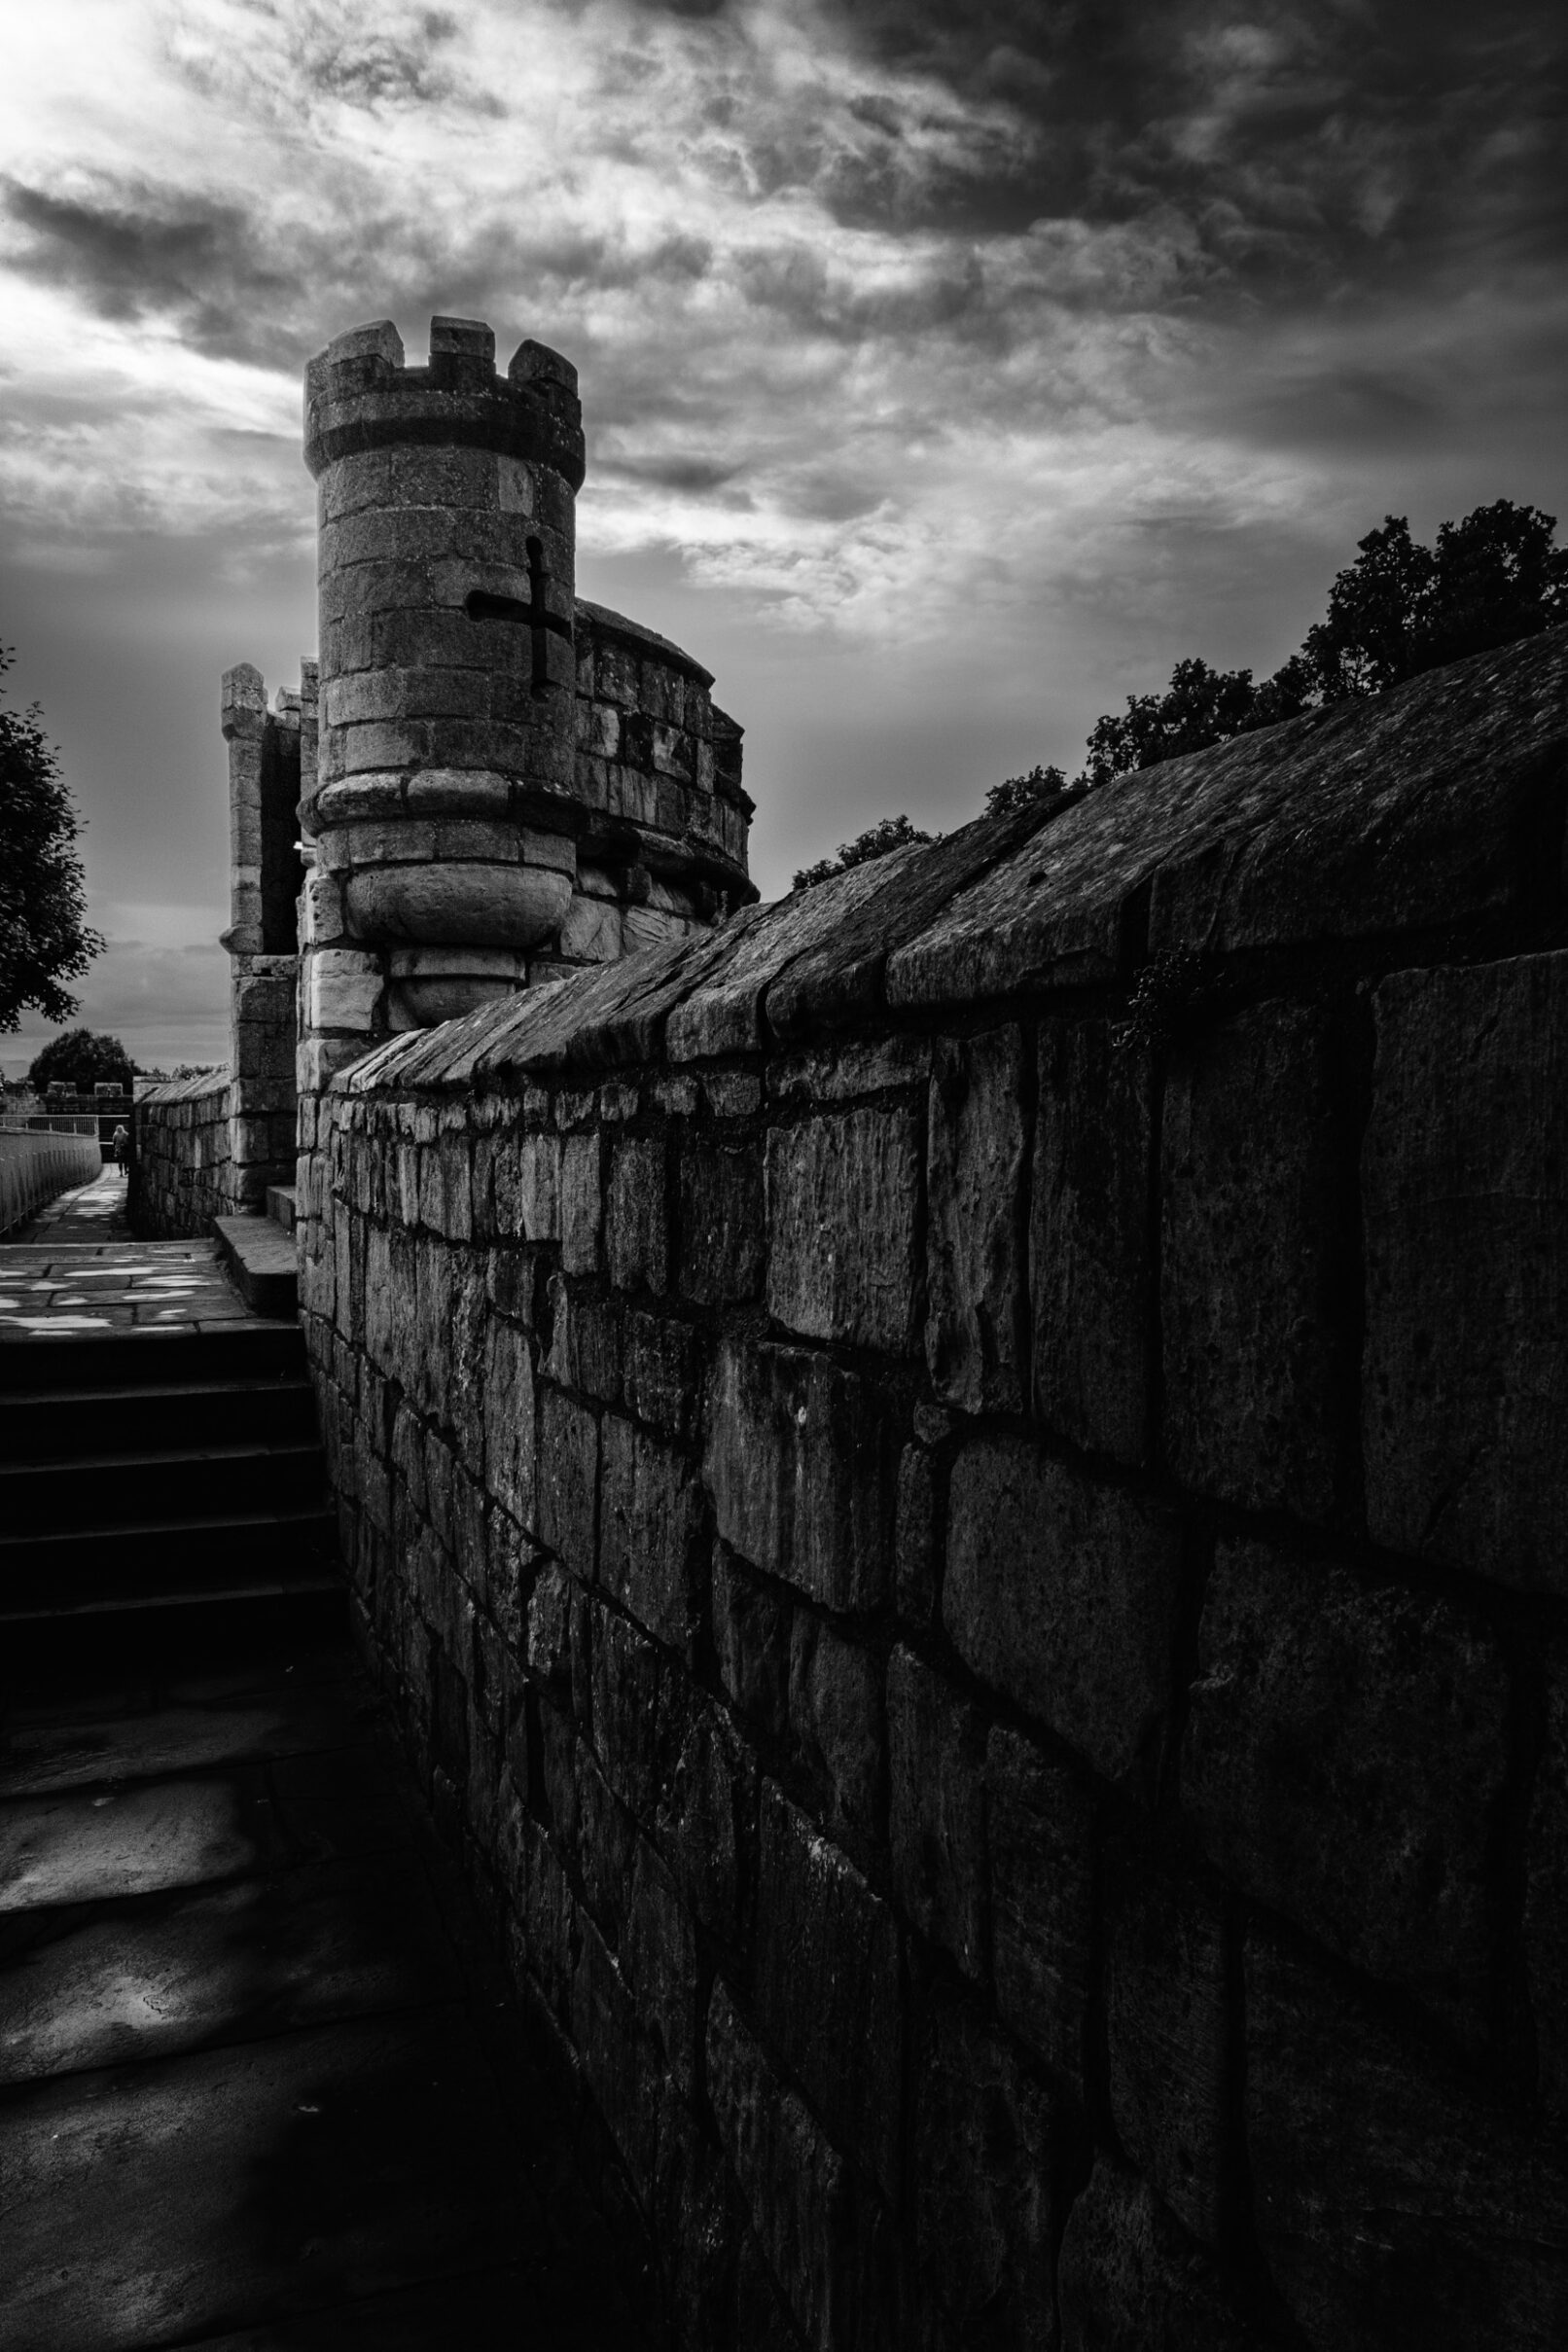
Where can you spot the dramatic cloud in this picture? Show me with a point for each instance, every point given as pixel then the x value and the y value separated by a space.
pixel 1001 350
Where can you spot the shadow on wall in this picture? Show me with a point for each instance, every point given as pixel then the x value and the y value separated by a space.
pixel 979 1582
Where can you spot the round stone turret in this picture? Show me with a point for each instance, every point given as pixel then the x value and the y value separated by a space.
pixel 505 781
pixel 442 800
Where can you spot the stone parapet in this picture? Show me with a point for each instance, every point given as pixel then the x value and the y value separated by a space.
pixel 957 1488
pixel 34 1168
pixel 181 1167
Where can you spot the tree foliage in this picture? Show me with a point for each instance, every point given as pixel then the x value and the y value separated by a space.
pixel 44 936
pixel 1022 792
pixel 1200 706
pixel 78 1058
pixel 1399 609
pixel 888 832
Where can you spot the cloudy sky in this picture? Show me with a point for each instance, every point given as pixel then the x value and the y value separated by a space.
pixel 949 369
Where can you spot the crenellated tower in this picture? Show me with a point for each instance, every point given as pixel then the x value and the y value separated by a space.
pixel 505 781
pixel 444 787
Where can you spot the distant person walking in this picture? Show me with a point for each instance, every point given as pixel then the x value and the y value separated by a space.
pixel 121 1140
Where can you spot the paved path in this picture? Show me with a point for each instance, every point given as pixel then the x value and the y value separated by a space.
pixel 76 1267
pixel 89 1212
pixel 258 2085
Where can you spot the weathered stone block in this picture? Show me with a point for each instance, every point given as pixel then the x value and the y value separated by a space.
pixel 558 1638
pixel 662 1374
pixel 526 1182
pixel 828 1986
pixel 723 1228
pixel 801 1467
pixel 507 1395
pixel 568 1480
pixel 792 2181
pixel 1465 1203
pixel 616 2055
pixel 649 1532
pixel 1128 2278
pixel 1167 2032
pixel 696 2223
pixel 1062 1594
pixel 585 1342
pixel 511 1286
pixel 635 1238
pixel 761 2322
pixel 917 1539
pixel 1344 1752
pixel 844 1198
pixel 581 1203
pixel 658 1960
pixel 673 1758
pixel 1088 1240
pixel 975 1235
pixel 936 1817
pixel 986 2220
pixel 730 1094
pixel 1545 1904
pixel 1252 1252
pixel 426 1350
pixel 847 1067
pixel 606 1842
pixel 592 931
pixel 1393 2205
pixel 750 1641
pixel 343 989
pixel 511 1557
pixel 836 1722
pixel 543 1908
pixel 467 1345
pixel 1040 1840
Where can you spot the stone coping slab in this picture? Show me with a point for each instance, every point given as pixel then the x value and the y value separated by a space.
pixel 1427 807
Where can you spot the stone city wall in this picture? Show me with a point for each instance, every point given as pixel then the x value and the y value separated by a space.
pixel 35 1168
pixel 182 1173
pixel 960 1491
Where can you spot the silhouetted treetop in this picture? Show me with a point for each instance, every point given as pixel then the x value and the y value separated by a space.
pixel 888 832
pixel 1399 609
pixel 81 1058
pixel 44 936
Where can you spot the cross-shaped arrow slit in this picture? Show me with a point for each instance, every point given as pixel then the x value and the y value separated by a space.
pixel 535 614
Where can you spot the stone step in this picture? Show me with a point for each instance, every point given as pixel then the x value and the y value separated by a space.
pixel 248 1348
pixel 152 1563
pixel 245 1620
pixel 174 1484
pixel 68 1424
pixel 283 1205
pixel 260 1259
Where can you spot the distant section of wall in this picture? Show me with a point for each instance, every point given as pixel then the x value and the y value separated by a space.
pixel 269 752
pixel 182 1175
pixel 92 1110
pixel 960 1491
pixel 34 1168
pixel 263 1022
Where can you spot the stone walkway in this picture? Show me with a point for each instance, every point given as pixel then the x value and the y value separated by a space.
pixel 259 2084
pixel 262 2085
pixel 89 1212
pixel 76 1267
